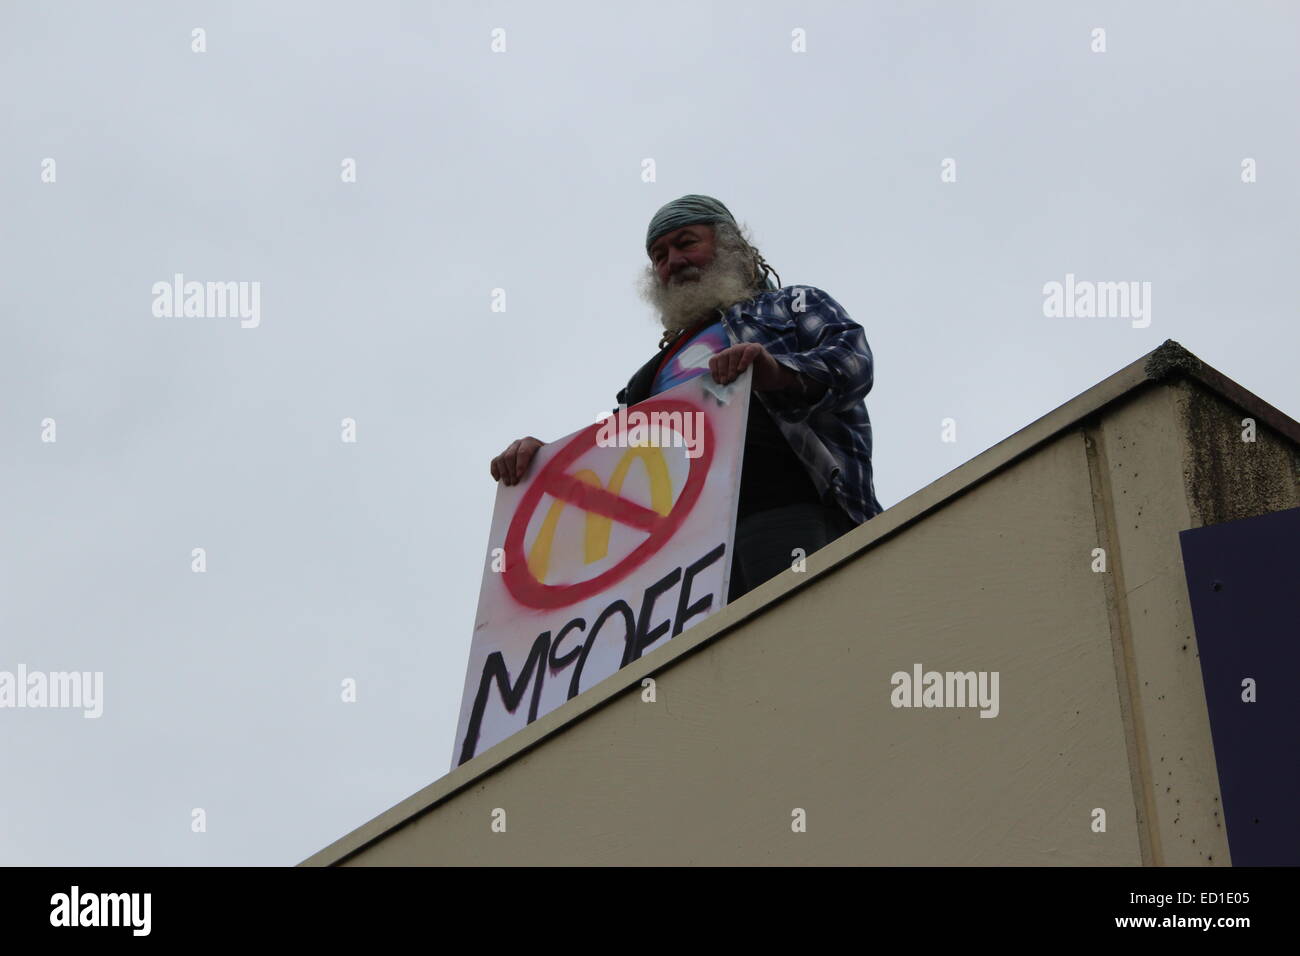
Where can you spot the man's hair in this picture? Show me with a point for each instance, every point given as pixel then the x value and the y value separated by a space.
pixel 738 240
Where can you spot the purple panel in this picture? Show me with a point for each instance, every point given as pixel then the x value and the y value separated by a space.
pixel 1244 581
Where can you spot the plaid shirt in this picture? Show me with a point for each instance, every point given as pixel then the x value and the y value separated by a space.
pixel 808 332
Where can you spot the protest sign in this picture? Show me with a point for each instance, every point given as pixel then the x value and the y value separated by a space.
pixel 619 538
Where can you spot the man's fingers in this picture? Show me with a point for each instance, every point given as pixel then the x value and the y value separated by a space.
pixel 726 365
pixel 720 368
pixel 525 458
pixel 508 462
pixel 512 464
pixel 729 364
pixel 735 364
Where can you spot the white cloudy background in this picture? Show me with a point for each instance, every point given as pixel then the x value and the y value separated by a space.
pixel 519 170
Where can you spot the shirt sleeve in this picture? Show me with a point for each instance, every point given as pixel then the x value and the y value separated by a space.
pixel 833 351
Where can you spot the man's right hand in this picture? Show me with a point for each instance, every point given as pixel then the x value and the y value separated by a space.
pixel 512 464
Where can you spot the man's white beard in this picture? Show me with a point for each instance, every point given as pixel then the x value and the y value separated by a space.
pixel 693 293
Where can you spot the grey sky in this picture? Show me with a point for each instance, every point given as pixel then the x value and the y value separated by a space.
pixel 519 170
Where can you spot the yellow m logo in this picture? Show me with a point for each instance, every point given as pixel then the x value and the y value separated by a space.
pixel 598 527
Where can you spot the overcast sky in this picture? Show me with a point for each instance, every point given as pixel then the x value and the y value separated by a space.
pixel 519 170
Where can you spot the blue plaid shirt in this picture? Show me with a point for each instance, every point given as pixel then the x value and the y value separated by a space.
pixel 807 331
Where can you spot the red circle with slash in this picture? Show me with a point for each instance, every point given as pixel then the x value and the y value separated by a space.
pixel 554 480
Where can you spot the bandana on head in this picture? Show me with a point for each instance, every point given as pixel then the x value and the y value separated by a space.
pixel 691 210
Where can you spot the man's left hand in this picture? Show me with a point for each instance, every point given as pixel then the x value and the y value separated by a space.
pixel 769 374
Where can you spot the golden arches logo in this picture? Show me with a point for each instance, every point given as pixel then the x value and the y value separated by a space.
pixel 598 527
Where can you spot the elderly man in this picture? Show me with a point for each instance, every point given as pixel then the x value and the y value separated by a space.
pixel 806 478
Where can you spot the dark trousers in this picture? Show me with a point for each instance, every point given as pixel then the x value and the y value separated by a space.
pixel 766 540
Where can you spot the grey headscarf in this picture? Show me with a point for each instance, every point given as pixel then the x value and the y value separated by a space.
pixel 690 210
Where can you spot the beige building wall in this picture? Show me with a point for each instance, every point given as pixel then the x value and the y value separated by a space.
pixel 779 706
